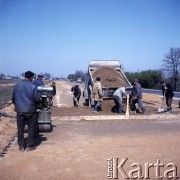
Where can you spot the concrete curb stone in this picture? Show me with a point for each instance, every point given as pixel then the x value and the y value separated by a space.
pixel 119 117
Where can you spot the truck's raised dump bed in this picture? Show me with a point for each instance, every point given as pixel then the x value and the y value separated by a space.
pixel 110 77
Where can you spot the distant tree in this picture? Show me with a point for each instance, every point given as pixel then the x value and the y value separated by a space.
pixel 147 78
pixel 171 66
pixel 150 78
pixel 22 74
pixel 2 75
pixel 71 77
pixel 76 75
pixel 47 75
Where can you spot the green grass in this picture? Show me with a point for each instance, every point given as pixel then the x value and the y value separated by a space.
pixel 6 90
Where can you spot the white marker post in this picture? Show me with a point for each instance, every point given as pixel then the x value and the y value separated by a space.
pixel 127 107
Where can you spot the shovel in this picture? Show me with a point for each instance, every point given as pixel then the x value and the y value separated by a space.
pixel 161 109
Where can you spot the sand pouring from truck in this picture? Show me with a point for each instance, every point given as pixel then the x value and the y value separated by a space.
pixel 112 77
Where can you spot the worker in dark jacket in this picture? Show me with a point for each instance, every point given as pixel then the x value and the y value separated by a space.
pixel 25 98
pixel 54 88
pixel 76 95
pixel 167 91
pixel 39 81
pixel 53 85
pixel 137 96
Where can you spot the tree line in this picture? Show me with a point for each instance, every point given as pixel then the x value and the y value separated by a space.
pixel 169 72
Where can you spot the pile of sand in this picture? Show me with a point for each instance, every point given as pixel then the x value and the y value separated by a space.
pixel 110 77
pixel 152 98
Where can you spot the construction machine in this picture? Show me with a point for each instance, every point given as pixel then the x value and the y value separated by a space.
pixel 44 110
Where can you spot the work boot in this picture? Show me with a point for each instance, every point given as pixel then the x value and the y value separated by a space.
pixel 169 109
pixel 21 149
pixel 31 148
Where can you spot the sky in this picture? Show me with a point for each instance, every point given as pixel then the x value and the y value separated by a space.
pixel 62 36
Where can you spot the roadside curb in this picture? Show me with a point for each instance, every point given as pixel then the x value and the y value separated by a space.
pixel 118 117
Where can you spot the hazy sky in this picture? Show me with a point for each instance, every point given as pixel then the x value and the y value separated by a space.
pixel 61 36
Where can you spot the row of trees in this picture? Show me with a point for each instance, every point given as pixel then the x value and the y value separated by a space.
pixel 148 79
pixel 171 67
pixel 169 72
pixel 76 75
pixel 46 75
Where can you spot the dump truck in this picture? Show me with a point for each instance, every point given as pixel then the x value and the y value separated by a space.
pixel 112 77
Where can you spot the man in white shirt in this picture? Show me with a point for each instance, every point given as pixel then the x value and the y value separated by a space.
pixel 117 96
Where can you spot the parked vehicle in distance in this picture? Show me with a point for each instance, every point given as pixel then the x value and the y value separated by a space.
pixel 79 80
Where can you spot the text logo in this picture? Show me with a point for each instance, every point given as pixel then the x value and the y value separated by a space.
pixel 116 169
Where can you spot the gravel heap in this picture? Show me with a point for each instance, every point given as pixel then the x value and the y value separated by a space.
pixel 152 98
pixel 110 77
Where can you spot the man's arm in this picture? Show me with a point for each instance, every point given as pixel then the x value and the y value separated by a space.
pixel 37 96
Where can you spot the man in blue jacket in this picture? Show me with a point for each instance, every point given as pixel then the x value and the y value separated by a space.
pixel 137 96
pixel 25 98
pixel 39 81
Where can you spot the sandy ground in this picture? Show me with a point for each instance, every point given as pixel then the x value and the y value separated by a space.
pixel 79 149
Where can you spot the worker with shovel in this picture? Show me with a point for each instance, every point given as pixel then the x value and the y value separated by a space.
pixel 97 95
pixel 137 96
pixel 118 99
pixel 76 95
pixel 167 91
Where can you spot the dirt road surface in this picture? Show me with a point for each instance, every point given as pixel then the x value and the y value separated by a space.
pixel 79 150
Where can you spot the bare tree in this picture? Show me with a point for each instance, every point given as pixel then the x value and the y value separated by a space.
pixel 171 65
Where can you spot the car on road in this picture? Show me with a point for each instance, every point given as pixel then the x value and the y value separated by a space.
pixel 79 80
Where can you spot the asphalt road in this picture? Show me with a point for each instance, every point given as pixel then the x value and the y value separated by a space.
pixel 159 92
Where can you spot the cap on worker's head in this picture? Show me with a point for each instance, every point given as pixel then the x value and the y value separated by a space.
pixel 98 79
pixel 29 74
pixel 136 80
pixel 40 75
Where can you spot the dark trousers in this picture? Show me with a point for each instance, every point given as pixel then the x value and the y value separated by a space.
pixel 31 119
pixel 118 103
pixel 97 106
pixel 140 105
pixel 133 104
pixel 168 103
pixel 76 100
